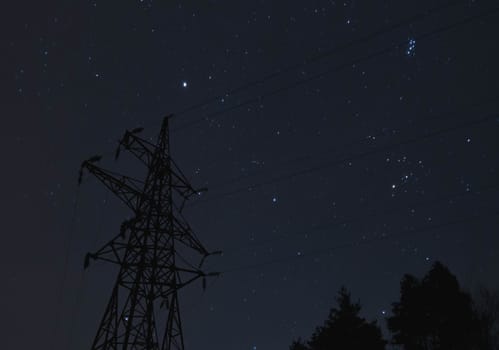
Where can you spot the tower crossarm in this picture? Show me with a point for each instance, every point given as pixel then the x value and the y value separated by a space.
pixel 184 277
pixel 113 250
pixel 137 146
pixel 181 184
pixel 124 187
pixel 185 235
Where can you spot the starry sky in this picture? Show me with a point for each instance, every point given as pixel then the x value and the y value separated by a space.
pixel 341 142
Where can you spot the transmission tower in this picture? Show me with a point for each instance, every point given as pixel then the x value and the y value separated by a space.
pixel 152 249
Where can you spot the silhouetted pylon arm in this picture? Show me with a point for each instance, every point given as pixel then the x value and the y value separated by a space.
pixel 124 187
pixel 181 184
pixel 140 148
pixel 110 252
pixel 185 235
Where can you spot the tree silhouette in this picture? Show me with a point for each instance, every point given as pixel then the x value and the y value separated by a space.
pixel 486 310
pixel 433 313
pixel 298 344
pixel 345 329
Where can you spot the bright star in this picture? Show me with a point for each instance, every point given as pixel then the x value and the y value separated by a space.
pixel 184 84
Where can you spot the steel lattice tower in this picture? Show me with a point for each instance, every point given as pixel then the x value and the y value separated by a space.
pixel 148 249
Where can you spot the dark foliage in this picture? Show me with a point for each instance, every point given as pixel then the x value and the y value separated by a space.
pixel 433 313
pixel 298 344
pixel 344 329
pixel 486 309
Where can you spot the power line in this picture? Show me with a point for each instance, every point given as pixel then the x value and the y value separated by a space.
pixel 337 68
pixel 80 291
pixel 361 155
pixel 311 59
pixel 374 212
pixel 334 69
pixel 299 82
pixel 364 140
pixel 358 243
pixel 67 249
pixel 442 116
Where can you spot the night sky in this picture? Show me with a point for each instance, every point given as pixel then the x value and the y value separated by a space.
pixel 342 143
